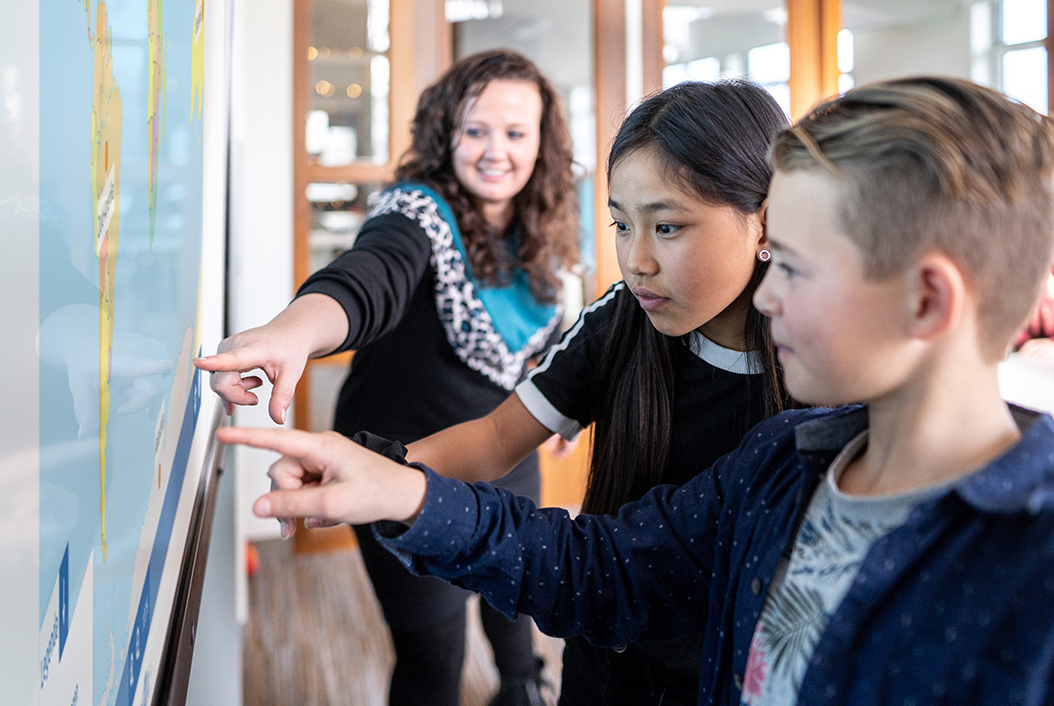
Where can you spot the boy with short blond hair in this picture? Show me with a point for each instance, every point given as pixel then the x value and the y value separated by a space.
pixel 939 165
pixel 896 551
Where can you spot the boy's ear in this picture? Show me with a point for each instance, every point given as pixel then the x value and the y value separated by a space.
pixel 938 296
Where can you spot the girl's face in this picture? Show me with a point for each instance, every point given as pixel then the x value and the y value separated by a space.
pixel 497 145
pixel 687 261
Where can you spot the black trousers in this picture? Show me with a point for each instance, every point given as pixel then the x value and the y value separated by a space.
pixel 427 620
pixel 636 676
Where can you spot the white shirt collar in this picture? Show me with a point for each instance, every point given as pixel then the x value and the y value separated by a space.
pixel 741 362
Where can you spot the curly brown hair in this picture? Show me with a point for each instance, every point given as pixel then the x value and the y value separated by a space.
pixel 544 211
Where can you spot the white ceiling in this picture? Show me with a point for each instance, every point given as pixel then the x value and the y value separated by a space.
pixel 556 34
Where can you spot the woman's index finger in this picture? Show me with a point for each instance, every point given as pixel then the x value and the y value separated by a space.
pixel 233 361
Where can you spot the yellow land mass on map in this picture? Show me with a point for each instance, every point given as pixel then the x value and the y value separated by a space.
pixel 87 11
pixel 154 102
pixel 106 200
pixel 197 60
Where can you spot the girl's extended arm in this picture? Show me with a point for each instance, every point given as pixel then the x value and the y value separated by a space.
pixel 483 449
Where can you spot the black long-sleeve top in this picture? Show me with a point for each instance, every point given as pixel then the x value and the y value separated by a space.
pixel 427 356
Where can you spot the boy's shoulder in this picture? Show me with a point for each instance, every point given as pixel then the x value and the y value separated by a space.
pixel 791 449
pixel 1022 477
pixel 1021 480
pixel 1016 487
pixel 810 430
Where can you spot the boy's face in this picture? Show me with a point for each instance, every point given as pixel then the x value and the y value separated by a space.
pixel 841 337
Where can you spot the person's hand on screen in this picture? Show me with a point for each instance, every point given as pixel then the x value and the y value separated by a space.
pixel 311 326
pixel 276 349
pixel 328 478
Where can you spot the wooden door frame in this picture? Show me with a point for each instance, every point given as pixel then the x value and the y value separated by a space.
pixel 420 51
pixel 609 65
pixel 812 33
pixel 1049 44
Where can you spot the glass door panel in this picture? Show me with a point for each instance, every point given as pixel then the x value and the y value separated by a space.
pixel 349 82
pixel 725 39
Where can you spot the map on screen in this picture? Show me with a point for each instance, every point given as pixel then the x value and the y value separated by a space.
pixel 121 163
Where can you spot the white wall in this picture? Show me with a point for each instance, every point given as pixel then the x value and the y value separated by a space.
pixel 261 257
pixel 260 285
pixel 938 46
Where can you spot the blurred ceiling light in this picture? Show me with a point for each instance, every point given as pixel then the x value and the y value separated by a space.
pixel 776 15
pixel 463 10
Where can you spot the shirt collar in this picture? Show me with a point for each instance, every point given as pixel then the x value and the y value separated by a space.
pixel 1020 479
pixel 741 362
pixel 832 431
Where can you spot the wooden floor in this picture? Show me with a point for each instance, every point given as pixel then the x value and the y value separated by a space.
pixel 316 637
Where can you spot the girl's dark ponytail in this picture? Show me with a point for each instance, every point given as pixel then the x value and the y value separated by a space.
pixel 632 411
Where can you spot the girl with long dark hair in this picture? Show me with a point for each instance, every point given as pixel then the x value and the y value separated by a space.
pixel 672 365
pixel 449 290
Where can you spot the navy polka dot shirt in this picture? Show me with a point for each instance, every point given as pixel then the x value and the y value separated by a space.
pixel 954 607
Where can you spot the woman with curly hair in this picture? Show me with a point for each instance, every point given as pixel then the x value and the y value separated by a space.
pixel 450 288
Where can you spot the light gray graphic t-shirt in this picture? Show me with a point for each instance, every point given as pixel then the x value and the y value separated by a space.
pixel 834 537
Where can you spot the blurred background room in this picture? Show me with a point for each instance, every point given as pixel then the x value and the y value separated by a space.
pixel 322 92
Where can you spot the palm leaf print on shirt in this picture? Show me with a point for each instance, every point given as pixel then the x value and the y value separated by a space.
pixel 793 626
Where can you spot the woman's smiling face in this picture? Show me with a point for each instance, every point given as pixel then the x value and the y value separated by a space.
pixel 497 145
pixel 689 262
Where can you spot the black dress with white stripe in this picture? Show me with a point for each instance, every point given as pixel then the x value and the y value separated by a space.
pixel 717 399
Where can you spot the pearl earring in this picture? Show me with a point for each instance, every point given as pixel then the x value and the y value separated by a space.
pixel 764 256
